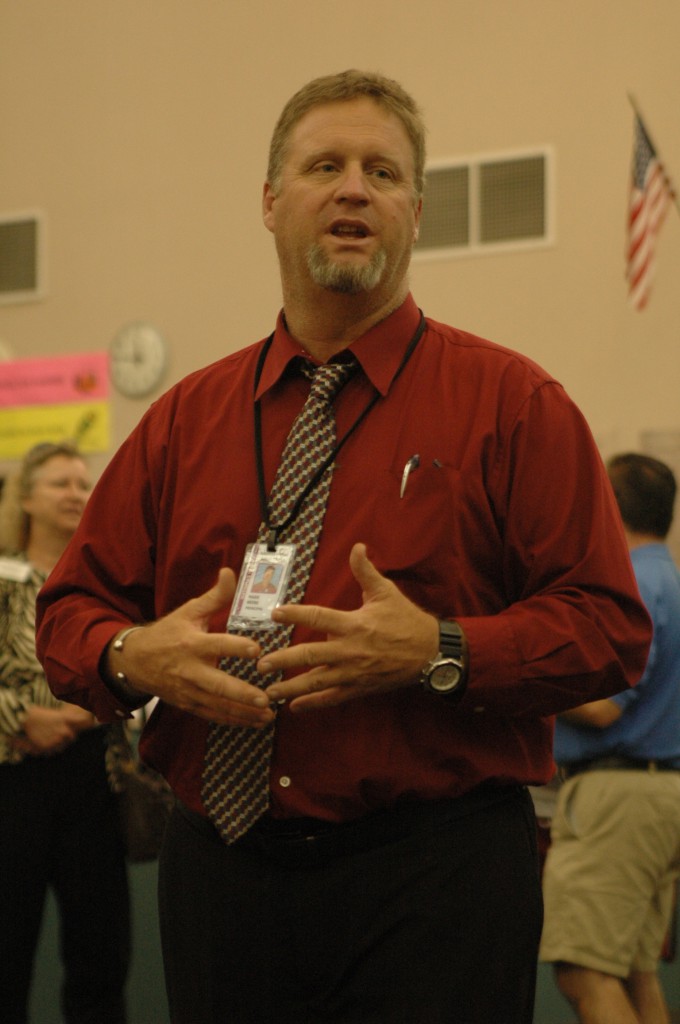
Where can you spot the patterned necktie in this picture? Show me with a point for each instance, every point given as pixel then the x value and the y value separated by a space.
pixel 236 768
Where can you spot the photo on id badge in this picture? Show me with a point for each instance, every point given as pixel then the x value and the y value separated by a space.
pixel 262 584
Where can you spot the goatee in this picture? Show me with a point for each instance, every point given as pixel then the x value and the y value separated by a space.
pixel 346 278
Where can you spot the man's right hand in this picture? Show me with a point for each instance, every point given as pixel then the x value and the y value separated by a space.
pixel 176 658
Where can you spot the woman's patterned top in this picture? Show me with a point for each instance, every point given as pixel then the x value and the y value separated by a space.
pixel 22 680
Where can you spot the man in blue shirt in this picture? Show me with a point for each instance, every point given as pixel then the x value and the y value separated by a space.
pixel 615 852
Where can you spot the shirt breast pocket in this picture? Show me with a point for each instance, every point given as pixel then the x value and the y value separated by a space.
pixel 414 526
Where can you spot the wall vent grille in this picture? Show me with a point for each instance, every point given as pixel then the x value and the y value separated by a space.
pixel 486 204
pixel 21 263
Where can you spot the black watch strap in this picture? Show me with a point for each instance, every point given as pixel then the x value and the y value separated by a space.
pixel 451 640
pixel 446 674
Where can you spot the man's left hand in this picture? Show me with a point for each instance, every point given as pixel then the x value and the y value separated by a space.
pixel 381 646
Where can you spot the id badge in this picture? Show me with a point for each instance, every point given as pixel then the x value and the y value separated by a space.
pixel 262 585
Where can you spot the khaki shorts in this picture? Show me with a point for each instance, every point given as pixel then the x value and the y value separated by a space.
pixel 609 876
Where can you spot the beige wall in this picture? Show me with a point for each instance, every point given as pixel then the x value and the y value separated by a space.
pixel 140 128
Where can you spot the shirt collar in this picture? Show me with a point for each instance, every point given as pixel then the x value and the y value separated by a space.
pixel 379 351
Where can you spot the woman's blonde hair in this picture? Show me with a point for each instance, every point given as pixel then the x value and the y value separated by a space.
pixel 14 521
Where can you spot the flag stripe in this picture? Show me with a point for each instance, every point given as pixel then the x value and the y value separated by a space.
pixel 650 195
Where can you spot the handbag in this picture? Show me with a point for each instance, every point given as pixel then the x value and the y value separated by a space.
pixel 145 800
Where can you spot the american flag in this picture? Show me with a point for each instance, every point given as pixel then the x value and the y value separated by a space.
pixel 651 192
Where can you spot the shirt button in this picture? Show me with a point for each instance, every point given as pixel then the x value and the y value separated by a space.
pixel 284 781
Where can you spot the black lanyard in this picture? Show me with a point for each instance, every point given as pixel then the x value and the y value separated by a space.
pixel 274 531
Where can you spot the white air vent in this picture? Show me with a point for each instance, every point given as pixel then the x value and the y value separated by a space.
pixel 21 262
pixel 486 204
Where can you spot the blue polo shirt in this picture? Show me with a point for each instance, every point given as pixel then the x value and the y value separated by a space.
pixel 649 727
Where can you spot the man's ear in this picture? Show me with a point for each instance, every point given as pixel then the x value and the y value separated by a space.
pixel 418 212
pixel 268 200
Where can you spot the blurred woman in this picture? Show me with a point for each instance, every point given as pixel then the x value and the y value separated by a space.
pixel 58 820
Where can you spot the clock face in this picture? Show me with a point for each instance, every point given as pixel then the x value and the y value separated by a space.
pixel 138 359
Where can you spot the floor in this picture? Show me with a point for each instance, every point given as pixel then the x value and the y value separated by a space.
pixel 675 1017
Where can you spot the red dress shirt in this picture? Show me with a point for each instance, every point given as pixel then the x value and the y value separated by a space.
pixel 507 524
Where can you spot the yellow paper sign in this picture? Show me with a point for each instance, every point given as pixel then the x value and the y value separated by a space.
pixel 87 424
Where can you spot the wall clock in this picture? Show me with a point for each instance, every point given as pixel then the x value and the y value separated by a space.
pixel 138 359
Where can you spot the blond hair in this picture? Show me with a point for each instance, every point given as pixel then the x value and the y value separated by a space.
pixel 341 87
pixel 15 523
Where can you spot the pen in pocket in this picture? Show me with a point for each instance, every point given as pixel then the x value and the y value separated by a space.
pixel 412 464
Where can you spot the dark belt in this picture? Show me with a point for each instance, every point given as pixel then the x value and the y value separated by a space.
pixel 302 842
pixel 616 763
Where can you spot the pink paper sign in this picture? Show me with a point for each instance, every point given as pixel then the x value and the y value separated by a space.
pixel 60 379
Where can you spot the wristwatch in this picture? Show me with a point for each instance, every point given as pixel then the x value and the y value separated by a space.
pixel 447 673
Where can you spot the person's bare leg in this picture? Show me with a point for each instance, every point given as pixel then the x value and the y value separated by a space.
pixel 646 995
pixel 597 998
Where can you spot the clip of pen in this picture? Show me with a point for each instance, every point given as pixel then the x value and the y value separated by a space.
pixel 412 464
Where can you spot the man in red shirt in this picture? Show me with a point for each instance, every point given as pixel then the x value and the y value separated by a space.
pixel 471 580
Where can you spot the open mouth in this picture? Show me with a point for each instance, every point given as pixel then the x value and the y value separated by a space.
pixel 349 231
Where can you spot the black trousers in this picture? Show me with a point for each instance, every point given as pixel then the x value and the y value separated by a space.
pixel 437 921
pixel 58 828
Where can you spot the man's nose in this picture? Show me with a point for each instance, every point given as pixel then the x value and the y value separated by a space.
pixel 353 185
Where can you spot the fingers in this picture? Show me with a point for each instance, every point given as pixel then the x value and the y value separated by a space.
pixel 201 688
pixel 77 717
pixel 180 660
pixel 321 620
pixel 327 620
pixel 216 599
pixel 218 697
pixel 176 658
pixel 372 583
pixel 177 662
pixel 215 646
pixel 341 629
pixel 375 648
pixel 228 712
pixel 317 688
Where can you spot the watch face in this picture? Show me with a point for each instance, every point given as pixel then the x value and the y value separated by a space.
pixel 445 677
pixel 138 359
